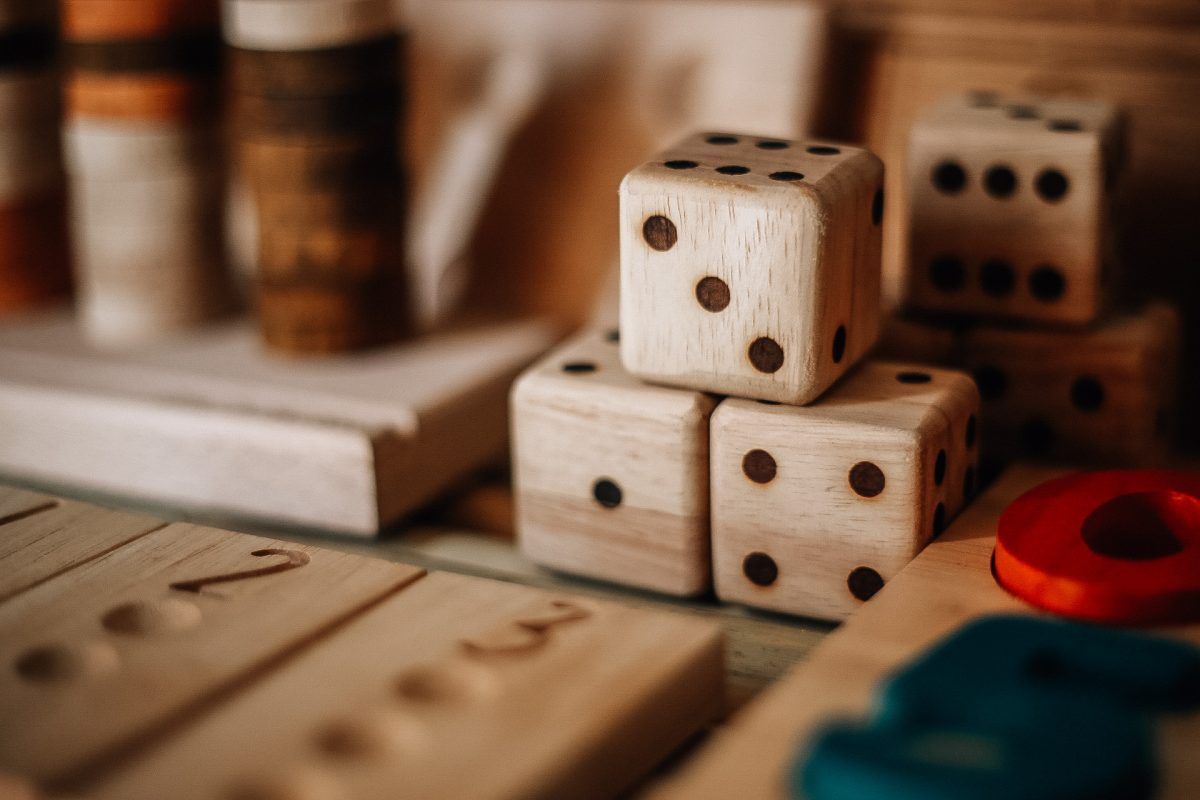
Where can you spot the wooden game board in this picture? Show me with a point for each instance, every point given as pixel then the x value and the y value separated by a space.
pixel 949 584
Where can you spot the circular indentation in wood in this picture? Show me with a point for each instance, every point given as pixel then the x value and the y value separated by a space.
pixel 760 569
pixel 1000 181
pixel 1037 436
pixel 982 98
pixel 949 177
pixel 947 273
pixel 759 466
pixel 298 782
pixel 712 294
pixel 607 493
pixel 151 617
pixel 997 278
pixel 660 233
pixel 1142 526
pixel 786 175
pixel 1022 112
pixel 877 207
pixel 680 164
pixel 579 367
pixel 447 683
pixel 969 483
pixel 992 382
pixel 733 169
pixel 822 150
pixel 867 479
pixel 914 377
pixel 1065 125
pixel 939 520
pixel 772 144
pixel 1087 393
pixel 971 423
pixel 766 355
pixel 1051 185
pixel 839 344
pixel 60 663
pixel 1047 284
pixel 722 138
pixel 939 468
pixel 864 582
pixel 374 734
pixel 613 336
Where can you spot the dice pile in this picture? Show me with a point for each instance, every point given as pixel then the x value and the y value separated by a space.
pixel 316 97
pixel 1010 230
pixel 742 440
pixel 143 148
pixel 34 264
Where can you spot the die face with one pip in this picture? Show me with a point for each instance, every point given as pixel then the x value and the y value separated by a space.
pixel 611 475
pixel 750 266
pixel 815 507
pixel 1007 208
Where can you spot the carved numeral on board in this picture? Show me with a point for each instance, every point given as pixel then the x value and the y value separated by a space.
pixel 534 633
pixel 294 560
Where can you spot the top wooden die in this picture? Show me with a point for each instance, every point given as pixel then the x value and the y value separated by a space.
pixel 1008 207
pixel 750 266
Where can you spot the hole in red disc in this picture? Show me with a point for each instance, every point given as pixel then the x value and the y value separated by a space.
pixel 1143 526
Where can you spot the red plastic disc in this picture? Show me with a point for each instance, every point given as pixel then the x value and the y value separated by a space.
pixel 1120 546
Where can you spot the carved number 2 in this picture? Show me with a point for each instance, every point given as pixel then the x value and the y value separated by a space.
pixel 536 631
pixel 295 560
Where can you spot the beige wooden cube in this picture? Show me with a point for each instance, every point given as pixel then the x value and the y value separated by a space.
pixel 611 475
pixel 815 507
pixel 750 265
pixel 1104 394
pixel 1008 207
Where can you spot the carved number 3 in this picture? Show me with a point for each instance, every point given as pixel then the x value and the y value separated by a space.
pixel 295 560
pixel 537 631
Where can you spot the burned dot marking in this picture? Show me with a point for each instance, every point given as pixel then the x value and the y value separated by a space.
pixel 1000 181
pixel 786 175
pixel 947 273
pixel 1051 185
pixel 760 569
pixel 823 150
pixel 1087 393
pixel 607 493
pixel 579 367
pixel 939 468
pixel 864 583
pixel 712 294
pixel 1047 284
pixel 839 344
pixel 759 466
pixel 733 169
pixel 971 423
pixel 939 520
pixel 1037 437
pixel 722 139
pixel 877 207
pixel 1022 112
pixel 949 177
pixel 969 483
pixel 1065 125
pixel 992 382
pixel 613 336
pixel 660 233
pixel 997 278
pixel 866 479
pixel 766 355
pixel 681 164
pixel 772 144
pixel 914 377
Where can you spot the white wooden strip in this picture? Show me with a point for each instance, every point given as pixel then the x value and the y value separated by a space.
pixel 305 24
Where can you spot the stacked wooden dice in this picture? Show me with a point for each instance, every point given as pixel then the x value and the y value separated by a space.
pixel 739 440
pixel 1010 230
pixel 34 264
pixel 317 99
pixel 144 152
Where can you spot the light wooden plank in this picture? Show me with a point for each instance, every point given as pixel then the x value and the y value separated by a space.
pixel 111 653
pixel 49 537
pixel 456 687
pixel 212 423
pixel 949 584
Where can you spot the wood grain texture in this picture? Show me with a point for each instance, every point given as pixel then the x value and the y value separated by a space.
pixel 994 248
pixel 798 257
pixel 543 695
pixel 611 475
pixel 851 483
pixel 948 585
pixel 114 651
pixel 212 422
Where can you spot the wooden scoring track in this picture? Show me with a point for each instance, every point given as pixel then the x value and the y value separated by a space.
pixel 151 660
pixel 948 585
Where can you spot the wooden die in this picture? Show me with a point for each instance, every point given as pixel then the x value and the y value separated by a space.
pixel 611 475
pixel 1008 207
pixel 750 266
pixel 815 507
